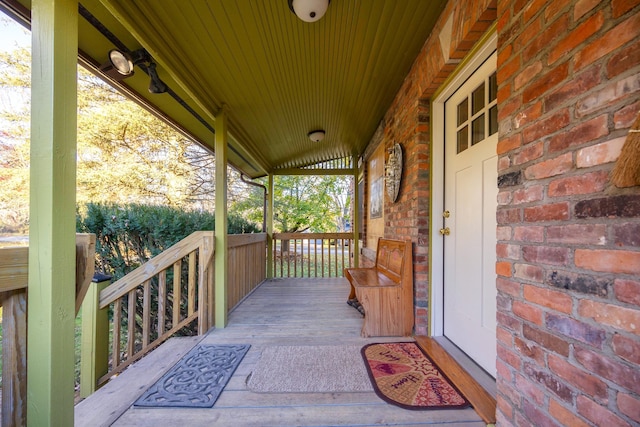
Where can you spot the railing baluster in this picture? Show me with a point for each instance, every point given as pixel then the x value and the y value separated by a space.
pixel 308 257
pixel 162 296
pixel 117 321
pixel 295 257
pixel 315 258
pixel 342 252
pixel 191 294
pixel 131 327
pixel 177 294
pixel 288 258
pixel 146 312
pixel 322 268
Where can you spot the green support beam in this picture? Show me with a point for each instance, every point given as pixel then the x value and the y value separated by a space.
pixel 355 220
pixel 52 253
pixel 270 229
pixel 221 254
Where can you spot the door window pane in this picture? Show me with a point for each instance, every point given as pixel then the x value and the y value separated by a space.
pixel 463 111
pixel 493 87
pixel 463 139
pixel 493 120
pixel 477 130
pixel 477 99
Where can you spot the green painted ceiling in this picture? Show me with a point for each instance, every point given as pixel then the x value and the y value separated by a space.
pixel 278 76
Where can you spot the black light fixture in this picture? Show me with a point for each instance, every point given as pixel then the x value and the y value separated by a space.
pixel 309 10
pixel 155 85
pixel 121 65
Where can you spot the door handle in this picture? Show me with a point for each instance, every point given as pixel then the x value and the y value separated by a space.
pixel 445 231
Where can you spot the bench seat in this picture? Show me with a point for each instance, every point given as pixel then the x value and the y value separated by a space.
pixel 385 290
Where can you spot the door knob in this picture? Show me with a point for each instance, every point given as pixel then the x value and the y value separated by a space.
pixel 446 214
pixel 445 231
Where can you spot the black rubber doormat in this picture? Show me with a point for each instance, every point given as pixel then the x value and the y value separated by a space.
pixel 197 379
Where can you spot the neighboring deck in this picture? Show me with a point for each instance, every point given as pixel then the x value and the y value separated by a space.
pixel 280 312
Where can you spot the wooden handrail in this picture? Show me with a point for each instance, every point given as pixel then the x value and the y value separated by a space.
pixel 198 239
pixel 309 236
pixel 14 280
pixel 14 266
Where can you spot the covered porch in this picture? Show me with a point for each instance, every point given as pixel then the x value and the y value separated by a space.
pixel 556 254
pixel 280 312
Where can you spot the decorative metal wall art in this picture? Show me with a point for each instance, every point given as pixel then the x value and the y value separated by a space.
pixel 393 171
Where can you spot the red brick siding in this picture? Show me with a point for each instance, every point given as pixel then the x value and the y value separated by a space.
pixel 568 241
pixel 408 123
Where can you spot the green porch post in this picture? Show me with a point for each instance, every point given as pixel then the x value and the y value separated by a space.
pixel 270 229
pixel 221 254
pixel 52 253
pixel 356 213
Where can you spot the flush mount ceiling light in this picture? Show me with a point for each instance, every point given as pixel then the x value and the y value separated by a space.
pixel 309 10
pixel 316 135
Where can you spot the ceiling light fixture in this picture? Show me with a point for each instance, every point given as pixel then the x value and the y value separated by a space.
pixel 309 10
pixel 120 65
pixel 316 135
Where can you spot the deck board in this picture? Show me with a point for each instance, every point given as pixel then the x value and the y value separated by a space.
pixel 289 312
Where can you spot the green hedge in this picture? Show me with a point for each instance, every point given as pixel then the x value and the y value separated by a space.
pixel 129 235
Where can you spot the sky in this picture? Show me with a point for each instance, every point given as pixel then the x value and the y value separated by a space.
pixel 12 34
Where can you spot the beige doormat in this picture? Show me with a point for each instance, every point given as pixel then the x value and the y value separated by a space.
pixel 310 369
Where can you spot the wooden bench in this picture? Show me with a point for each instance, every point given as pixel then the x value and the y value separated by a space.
pixel 385 290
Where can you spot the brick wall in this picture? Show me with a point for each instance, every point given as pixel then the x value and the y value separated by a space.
pixel 407 122
pixel 568 240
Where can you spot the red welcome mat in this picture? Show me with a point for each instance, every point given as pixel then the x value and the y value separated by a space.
pixel 403 375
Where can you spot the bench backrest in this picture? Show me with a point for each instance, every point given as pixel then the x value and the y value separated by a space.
pixel 390 257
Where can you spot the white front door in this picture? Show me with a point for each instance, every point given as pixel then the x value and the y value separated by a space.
pixel 470 192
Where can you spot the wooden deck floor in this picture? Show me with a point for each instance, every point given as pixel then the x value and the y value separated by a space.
pixel 280 312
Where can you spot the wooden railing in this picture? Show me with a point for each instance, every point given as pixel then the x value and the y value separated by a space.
pixel 172 291
pixel 14 270
pixel 247 265
pixel 311 254
pixel 168 293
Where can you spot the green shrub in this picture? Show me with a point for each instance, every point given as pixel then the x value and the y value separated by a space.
pixel 129 235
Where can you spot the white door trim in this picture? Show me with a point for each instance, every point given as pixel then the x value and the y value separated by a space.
pixel 437 183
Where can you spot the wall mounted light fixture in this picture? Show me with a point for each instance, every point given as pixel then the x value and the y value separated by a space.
pixel 120 65
pixel 309 10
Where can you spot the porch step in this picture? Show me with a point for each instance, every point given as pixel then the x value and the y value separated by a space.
pixel 481 400
pixel 107 404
